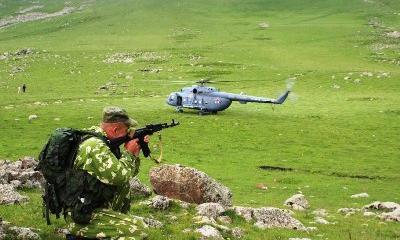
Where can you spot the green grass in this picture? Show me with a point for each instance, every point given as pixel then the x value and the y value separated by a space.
pixel 332 137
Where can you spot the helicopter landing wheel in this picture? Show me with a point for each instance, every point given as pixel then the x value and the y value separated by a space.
pixel 214 112
pixel 179 110
pixel 201 113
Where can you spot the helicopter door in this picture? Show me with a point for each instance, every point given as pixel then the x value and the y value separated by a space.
pixel 179 101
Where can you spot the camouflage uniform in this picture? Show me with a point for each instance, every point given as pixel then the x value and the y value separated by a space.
pixel 95 157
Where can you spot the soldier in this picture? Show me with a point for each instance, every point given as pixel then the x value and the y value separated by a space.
pixel 113 168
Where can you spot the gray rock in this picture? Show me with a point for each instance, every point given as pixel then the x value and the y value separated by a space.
pixel 7 231
pixel 245 212
pixel 391 216
pixel 212 210
pixel 321 220
pixel 138 188
pixel 385 206
pixel 149 222
pixel 9 196
pixel 270 217
pixel 360 195
pixel 160 202
pixel 209 232
pixel 237 232
pixel 320 212
pixel 297 202
pixel 348 210
pixel 21 173
pixel 189 185
pixel 204 220
pixel 224 220
pixel 369 214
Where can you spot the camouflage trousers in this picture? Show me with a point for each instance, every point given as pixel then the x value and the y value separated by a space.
pixel 109 224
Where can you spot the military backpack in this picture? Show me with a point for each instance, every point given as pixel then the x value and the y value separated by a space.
pixel 68 189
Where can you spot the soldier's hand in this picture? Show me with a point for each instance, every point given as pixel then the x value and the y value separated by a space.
pixel 133 147
pixel 146 139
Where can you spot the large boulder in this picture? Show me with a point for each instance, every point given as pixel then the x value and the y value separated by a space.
pixel 188 184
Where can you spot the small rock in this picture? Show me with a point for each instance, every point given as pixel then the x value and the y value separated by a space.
pixel 245 212
pixel 369 214
pixel 212 210
pixel 187 230
pixel 32 117
pixel 270 217
pixel 225 220
pixel 209 232
pixel 160 202
pixel 23 233
pixel 391 216
pixel 311 229
pixel 151 223
pixel 321 220
pixel 9 196
pixel 347 210
pixel 138 188
pixel 320 212
pixel 263 25
pixel 394 34
pixel 204 220
pixel 360 195
pixel 297 202
pixel 237 232
pixel 385 206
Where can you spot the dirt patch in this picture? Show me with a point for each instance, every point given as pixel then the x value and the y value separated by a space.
pixel 272 168
pixel 335 174
pixel 29 9
pixel 33 16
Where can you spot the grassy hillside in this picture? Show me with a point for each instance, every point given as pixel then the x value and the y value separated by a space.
pixel 339 132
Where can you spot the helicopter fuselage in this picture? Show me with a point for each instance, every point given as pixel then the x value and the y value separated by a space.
pixel 209 99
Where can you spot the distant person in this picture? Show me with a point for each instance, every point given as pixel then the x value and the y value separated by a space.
pixel 24 88
pixel 19 89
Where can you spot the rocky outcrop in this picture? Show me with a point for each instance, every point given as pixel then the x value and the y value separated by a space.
pixel 21 173
pixel 8 195
pixel 188 184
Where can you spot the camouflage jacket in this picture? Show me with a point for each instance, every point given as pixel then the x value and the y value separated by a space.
pixel 96 158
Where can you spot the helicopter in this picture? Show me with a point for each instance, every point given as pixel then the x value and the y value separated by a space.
pixel 209 100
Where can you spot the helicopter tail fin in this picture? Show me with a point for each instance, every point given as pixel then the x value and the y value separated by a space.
pixel 282 98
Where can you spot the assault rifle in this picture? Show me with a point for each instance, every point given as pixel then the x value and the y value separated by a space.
pixel 149 130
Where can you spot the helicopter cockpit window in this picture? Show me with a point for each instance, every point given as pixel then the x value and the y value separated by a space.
pixel 195 90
